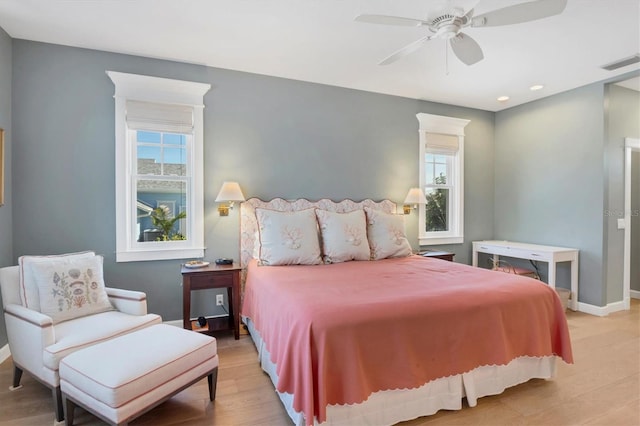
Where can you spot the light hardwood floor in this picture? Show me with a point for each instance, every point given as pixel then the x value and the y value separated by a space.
pixel 601 388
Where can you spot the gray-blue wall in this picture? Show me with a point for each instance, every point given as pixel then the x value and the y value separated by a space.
pixel 533 173
pixel 559 179
pixel 277 137
pixel 6 228
pixel 549 178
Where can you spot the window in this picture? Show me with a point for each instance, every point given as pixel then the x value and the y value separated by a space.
pixel 159 170
pixel 438 188
pixel 441 177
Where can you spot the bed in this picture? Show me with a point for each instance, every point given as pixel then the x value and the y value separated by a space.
pixel 392 339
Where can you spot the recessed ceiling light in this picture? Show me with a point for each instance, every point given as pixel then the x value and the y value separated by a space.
pixel 503 98
pixel 536 87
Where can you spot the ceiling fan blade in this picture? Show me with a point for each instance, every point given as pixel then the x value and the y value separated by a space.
pixel 389 20
pixel 410 48
pixel 468 16
pixel 466 49
pixel 519 13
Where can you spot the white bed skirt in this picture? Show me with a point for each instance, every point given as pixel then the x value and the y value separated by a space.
pixel 393 406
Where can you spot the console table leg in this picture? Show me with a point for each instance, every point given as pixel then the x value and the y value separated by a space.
pixel 573 303
pixel 552 274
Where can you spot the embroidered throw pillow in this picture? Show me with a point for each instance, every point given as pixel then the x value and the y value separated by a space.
pixel 69 290
pixel 386 235
pixel 288 238
pixel 344 236
pixel 28 287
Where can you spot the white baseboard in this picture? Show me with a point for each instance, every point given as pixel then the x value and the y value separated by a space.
pixel 5 353
pixel 635 294
pixel 599 311
pixel 617 306
pixel 602 311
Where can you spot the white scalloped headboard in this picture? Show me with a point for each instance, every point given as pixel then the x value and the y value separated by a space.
pixel 249 224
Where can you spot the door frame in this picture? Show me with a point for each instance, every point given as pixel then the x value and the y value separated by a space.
pixel 630 145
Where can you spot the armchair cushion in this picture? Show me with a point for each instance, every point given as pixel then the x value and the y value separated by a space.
pixel 69 290
pixel 28 288
pixel 79 333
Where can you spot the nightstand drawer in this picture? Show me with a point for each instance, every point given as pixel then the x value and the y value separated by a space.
pixel 444 255
pixel 219 279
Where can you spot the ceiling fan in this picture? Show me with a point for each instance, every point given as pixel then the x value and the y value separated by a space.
pixel 447 24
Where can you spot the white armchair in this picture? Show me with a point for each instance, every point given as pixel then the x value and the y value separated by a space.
pixel 37 345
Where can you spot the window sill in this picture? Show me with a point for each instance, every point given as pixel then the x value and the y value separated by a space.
pixel 145 255
pixel 432 241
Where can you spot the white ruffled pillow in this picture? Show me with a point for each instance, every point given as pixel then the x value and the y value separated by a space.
pixel 28 287
pixel 386 235
pixel 69 290
pixel 344 236
pixel 288 238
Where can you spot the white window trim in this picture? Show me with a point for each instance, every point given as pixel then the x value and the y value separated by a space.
pixel 430 123
pixel 159 90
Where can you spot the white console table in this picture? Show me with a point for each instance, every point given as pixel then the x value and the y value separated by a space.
pixel 551 255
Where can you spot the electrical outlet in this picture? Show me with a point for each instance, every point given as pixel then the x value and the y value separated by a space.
pixel 219 299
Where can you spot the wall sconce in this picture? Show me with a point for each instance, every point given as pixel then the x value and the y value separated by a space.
pixel 415 196
pixel 230 192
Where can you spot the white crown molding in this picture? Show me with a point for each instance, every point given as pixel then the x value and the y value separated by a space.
pixel 158 89
pixel 431 123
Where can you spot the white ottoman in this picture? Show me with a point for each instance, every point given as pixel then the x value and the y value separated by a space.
pixel 122 378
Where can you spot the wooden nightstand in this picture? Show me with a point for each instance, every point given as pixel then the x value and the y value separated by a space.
pixel 444 255
pixel 212 276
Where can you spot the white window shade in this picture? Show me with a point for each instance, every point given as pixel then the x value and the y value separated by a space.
pixel 159 117
pixel 441 143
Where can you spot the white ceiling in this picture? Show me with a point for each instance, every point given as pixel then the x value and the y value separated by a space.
pixel 318 41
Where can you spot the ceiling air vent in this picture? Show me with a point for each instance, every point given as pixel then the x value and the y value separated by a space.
pixel 622 62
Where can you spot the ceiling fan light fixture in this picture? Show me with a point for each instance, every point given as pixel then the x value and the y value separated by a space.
pixel 447 32
pixel 536 87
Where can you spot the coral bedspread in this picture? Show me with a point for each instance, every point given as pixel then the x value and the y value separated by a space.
pixel 340 332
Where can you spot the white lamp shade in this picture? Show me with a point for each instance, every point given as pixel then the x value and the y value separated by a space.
pixel 230 191
pixel 415 196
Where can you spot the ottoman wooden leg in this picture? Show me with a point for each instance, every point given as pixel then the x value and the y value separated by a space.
pixel 213 382
pixel 69 408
